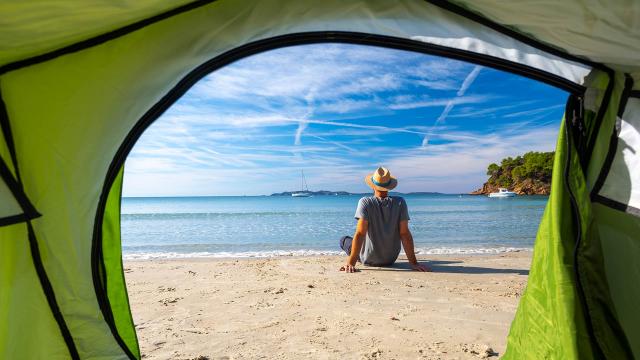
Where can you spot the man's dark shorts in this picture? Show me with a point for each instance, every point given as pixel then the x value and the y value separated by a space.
pixel 345 244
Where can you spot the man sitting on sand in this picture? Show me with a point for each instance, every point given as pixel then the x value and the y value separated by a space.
pixel 383 223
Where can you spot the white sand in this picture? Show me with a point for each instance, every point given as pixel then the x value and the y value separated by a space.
pixel 294 308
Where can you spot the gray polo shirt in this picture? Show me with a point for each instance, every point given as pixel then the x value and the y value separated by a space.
pixel 382 245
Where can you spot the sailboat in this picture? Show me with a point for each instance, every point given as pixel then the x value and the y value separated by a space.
pixel 305 189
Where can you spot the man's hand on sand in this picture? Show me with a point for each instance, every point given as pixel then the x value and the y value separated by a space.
pixel 348 268
pixel 420 267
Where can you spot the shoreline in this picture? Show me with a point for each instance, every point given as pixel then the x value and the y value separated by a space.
pixel 275 254
pixel 301 307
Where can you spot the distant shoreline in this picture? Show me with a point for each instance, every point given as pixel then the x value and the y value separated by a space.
pixel 346 193
pixel 288 193
pixel 279 195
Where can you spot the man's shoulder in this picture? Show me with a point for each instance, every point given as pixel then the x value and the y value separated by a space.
pixel 365 200
pixel 399 200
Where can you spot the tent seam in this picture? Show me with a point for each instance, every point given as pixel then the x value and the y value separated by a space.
pixel 49 293
pixel 517 35
pixel 613 145
pixel 29 212
pixel 14 184
pixel 102 38
pixel 443 4
pixel 604 107
pixel 13 219
pixel 8 135
pixel 616 205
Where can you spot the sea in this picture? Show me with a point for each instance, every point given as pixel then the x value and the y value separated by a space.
pixel 267 226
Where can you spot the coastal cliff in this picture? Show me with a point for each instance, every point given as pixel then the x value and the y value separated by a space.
pixel 529 174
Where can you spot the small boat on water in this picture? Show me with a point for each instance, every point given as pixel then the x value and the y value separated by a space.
pixel 305 189
pixel 502 192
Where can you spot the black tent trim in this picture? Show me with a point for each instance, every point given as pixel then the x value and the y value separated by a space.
pixel 446 5
pixel 102 38
pixel 613 143
pixel 13 219
pixel 604 106
pixel 49 293
pixel 29 213
pixel 616 205
pixel 480 19
pixel 8 135
pixel 15 185
pixel 627 93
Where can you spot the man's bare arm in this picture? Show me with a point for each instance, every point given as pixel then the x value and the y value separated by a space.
pixel 356 245
pixel 407 245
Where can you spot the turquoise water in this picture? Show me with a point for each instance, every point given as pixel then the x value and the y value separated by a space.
pixel 270 226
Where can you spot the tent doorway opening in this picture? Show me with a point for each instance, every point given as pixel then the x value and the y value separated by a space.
pixel 209 220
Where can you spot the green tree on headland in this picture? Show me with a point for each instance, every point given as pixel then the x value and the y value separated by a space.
pixel 527 174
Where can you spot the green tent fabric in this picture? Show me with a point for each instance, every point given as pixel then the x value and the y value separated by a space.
pixel 80 81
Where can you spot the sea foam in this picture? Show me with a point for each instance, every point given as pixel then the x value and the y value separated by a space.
pixel 299 253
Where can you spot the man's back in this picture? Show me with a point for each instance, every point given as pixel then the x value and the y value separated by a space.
pixel 382 245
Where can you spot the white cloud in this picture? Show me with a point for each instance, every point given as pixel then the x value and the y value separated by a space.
pixel 333 71
pixel 470 111
pixel 344 106
pixel 434 170
pixel 534 111
pixel 428 102
pixel 343 146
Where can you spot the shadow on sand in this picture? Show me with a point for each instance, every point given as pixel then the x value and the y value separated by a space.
pixel 444 266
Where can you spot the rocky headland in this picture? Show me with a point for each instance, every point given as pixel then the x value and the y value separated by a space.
pixel 529 174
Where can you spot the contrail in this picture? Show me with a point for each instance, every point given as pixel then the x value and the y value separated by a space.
pixel 302 125
pixel 471 77
pixel 334 143
pixel 469 80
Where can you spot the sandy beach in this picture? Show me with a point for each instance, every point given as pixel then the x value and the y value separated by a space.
pixel 302 307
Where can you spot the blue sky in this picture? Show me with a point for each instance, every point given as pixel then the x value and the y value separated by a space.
pixel 339 111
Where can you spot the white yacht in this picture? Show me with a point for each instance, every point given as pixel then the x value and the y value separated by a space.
pixel 305 189
pixel 502 192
